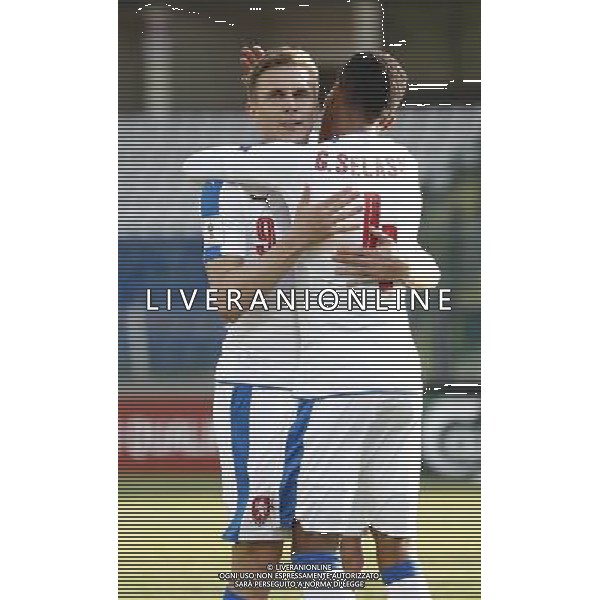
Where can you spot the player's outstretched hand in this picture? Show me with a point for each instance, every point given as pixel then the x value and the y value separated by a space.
pixel 317 222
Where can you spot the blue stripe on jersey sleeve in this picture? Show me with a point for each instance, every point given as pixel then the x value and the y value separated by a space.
pixel 211 252
pixel 209 198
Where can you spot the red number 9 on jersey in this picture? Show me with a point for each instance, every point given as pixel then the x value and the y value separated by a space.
pixel 265 230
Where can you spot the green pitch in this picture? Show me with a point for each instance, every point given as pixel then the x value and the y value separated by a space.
pixel 169 544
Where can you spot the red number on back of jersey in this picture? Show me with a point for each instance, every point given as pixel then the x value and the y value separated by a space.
pixel 371 221
pixel 265 231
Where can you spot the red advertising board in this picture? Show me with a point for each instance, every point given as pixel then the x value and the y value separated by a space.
pixel 166 434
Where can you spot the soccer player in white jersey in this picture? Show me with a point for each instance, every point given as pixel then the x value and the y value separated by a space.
pixel 249 243
pixel 387 497
pixel 387 178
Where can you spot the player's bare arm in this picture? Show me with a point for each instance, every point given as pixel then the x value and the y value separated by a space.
pixel 314 223
pixel 414 269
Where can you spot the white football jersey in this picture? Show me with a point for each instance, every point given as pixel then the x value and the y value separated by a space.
pixel 343 351
pixel 259 348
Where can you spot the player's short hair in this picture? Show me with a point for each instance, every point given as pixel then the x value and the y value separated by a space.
pixel 375 83
pixel 366 84
pixel 281 57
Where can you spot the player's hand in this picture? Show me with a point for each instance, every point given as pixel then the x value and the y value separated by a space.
pixel 249 57
pixel 378 264
pixel 334 120
pixel 316 222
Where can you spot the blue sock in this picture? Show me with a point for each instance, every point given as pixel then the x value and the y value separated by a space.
pixel 398 572
pixel 231 595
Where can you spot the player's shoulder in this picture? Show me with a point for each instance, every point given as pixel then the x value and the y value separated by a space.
pixel 203 152
pixel 370 139
pixel 218 153
pixel 264 147
pixel 271 153
pixel 221 188
pixel 218 197
pixel 375 144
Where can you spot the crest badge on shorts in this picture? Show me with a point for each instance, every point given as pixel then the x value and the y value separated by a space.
pixel 261 509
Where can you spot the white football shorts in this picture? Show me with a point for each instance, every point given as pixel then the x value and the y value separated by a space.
pixel 320 461
pixel 387 497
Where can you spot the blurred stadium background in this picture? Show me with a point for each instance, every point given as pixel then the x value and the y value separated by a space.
pixel 179 91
